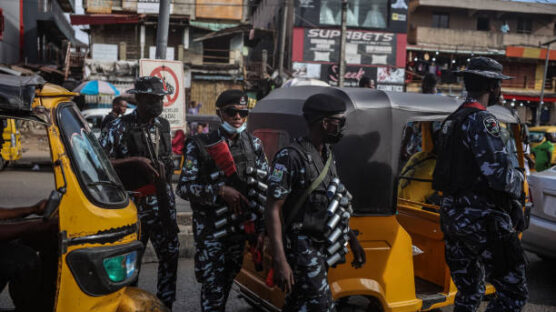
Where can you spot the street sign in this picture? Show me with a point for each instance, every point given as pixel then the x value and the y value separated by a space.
pixel 171 72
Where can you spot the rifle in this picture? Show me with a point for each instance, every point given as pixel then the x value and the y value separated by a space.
pixel 163 199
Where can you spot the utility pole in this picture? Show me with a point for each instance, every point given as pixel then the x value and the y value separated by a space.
pixel 162 30
pixel 541 102
pixel 342 65
pixel 287 4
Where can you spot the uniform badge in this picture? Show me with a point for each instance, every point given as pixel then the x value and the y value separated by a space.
pixel 492 126
pixel 243 100
pixel 188 163
pixel 277 173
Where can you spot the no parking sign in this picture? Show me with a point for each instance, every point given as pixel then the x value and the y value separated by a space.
pixel 171 72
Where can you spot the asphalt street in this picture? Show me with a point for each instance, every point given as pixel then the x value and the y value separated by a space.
pixel 21 186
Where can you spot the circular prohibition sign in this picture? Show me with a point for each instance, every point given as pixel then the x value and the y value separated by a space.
pixel 157 72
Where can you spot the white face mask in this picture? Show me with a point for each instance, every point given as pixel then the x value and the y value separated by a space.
pixel 233 130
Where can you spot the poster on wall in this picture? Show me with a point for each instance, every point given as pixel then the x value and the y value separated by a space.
pixel 306 70
pixel 172 73
pixel 362 47
pixel 381 78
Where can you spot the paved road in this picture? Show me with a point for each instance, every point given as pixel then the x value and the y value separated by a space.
pixel 17 184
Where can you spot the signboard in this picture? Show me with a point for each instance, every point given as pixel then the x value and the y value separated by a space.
pixel 389 15
pixel 151 6
pixel 99 6
pixel 362 47
pixel 382 78
pixel 222 9
pixel 169 53
pixel 171 72
pixel 105 52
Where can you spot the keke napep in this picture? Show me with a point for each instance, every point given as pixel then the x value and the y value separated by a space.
pixel 400 233
pixel 97 239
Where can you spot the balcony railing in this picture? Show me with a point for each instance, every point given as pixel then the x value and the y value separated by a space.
pixel 471 40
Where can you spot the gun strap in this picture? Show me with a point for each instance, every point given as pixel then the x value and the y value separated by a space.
pixel 307 192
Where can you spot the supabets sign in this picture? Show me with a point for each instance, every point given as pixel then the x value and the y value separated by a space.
pixel 362 47
pixel 171 73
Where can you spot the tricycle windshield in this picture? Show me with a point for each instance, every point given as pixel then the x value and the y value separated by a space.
pixel 91 165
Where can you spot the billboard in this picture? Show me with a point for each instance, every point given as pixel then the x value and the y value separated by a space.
pixel 171 72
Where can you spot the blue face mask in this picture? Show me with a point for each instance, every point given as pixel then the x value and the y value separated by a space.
pixel 233 130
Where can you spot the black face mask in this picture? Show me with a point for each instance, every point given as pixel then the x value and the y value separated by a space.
pixel 334 137
pixel 151 110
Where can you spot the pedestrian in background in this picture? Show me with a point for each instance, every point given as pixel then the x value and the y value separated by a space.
pixel 365 82
pixel 139 146
pixel 479 214
pixel 543 153
pixel 119 107
pixel 428 85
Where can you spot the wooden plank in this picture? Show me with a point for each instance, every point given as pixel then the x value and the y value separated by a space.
pixel 206 92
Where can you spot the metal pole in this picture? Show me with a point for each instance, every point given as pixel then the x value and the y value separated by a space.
pixel 541 102
pixel 283 38
pixel 341 61
pixel 162 30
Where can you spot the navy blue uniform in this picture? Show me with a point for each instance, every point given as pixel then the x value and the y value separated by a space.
pixel 117 141
pixel 217 260
pixel 481 243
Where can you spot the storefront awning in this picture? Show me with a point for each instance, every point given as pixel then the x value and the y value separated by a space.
pixel 527 97
pixel 529 52
pixel 455 50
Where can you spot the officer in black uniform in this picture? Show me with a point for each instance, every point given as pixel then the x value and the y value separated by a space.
pixel 140 148
pixel 300 266
pixel 211 185
pixel 481 215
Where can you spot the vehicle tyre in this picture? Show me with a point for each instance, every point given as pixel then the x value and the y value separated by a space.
pixel 3 163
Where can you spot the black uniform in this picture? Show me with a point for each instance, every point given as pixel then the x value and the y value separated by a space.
pixel 124 138
pixel 217 260
pixel 294 168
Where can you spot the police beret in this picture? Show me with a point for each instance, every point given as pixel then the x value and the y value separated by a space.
pixel 321 105
pixel 231 96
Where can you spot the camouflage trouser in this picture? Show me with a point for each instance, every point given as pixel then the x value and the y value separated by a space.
pixel 166 248
pixel 481 245
pixel 311 291
pixel 217 262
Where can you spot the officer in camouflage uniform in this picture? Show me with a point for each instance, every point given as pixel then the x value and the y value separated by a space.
pixel 125 140
pixel 475 173
pixel 298 248
pixel 219 260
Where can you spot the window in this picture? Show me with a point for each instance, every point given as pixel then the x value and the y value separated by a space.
pixel 216 50
pixel 524 26
pixel 367 14
pixel 483 23
pixel 440 20
pixel 98 179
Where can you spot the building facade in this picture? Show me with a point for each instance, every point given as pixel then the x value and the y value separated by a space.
pixel 444 34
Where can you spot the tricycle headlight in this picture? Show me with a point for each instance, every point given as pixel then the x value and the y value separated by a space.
pixel 120 267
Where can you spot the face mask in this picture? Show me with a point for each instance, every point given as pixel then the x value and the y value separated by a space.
pixel 333 137
pixel 233 130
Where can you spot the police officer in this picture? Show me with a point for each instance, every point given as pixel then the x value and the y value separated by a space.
pixel 475 173
pixel 299 262
pixel 219 259
pixel 130 141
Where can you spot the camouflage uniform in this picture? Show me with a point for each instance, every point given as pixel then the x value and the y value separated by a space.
pixel 480 240
pixel 115 140
pixel 306 256
pixel 217 261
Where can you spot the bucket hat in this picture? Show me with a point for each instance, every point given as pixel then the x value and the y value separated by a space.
pixel 151 85
pixel 485 67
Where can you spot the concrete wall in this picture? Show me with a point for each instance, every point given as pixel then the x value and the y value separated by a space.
pixel 9 46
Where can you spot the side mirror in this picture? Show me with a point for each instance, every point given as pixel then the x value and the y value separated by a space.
pixel 52 205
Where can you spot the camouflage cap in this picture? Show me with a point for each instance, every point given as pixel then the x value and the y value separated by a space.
pixel 151 85
pixel 485 67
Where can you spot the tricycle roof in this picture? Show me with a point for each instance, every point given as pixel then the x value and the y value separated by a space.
pixel 368 155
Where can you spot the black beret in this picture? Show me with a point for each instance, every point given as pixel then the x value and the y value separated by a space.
pixel 232 96
pixel 321 105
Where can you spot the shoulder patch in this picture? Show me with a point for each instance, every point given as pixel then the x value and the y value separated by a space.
pixel 277 173
pixel 492 126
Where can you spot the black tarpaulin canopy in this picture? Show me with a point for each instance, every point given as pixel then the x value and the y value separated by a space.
pixel 367 157
pixel 17 92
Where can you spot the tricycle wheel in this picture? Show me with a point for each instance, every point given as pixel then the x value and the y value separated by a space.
pixel 3 163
